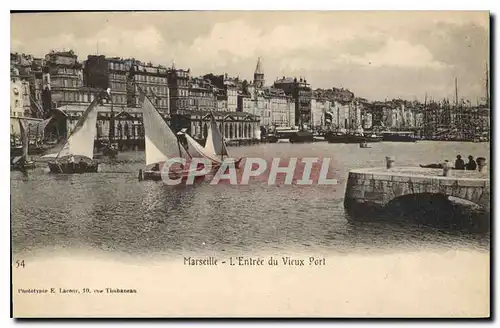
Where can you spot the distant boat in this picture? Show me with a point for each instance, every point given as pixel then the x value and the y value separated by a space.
pixel 301 137
pixel 399 136
pixel 22 162
pixel 358 137
pixel 161 143
pixel 285 133
pixel 76 155
pixel 270 138
pixel 107 150
pixel 215 147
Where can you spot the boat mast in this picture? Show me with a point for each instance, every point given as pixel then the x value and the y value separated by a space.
pixel 487 86
pixel 223 141
pixel 111 124
pixel 426 117
pixel 338 118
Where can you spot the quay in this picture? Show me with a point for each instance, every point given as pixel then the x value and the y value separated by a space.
pixel 371 190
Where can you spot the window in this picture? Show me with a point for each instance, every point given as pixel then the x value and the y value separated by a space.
pixel 17 103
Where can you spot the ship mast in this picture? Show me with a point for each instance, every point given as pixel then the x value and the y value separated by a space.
pixel 426 118
pixel 487 86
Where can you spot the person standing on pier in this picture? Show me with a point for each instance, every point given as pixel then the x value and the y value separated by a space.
pixel 459 163
pixel 471 164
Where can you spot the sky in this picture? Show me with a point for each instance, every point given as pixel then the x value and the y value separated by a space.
pixel 377 55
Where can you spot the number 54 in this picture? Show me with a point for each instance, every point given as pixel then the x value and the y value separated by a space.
pixel 20 264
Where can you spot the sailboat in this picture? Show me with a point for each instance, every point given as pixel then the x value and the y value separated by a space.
pixel 161 143
pixel 215 147
pixel 22 162
pixel 79 146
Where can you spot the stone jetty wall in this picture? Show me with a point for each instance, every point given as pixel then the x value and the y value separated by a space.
pixel 373 189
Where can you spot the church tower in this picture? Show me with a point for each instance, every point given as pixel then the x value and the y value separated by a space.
pixel 258 76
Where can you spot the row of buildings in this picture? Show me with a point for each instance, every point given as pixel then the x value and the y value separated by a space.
pixel 60 81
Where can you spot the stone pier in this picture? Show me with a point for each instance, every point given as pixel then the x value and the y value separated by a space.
pixel 372 189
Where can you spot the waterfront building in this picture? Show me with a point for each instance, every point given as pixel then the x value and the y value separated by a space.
pixel 260 106
pixel 320 105
pixel 153 79
pixel 221 101
pixel 245 103
pixel 62 79
pixel 28 69
pixel 118 78
pixel 178 85
pixel 301 93
pixel 231 91
pixel 102 73
pixel 367 121
pixel 201 95
pixel 36 88
pixel 227 90
pixel 279 107
pixel 17 98
pixel 340 114
pixel 233 125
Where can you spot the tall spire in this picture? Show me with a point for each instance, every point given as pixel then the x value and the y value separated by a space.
pixel 258 76
pixel 258 68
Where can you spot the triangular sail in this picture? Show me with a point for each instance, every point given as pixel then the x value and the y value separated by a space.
pixel 24 139
pixel 197 150
pixel 161 142
pixel 81 140
pixel 215 142
pixel 39 129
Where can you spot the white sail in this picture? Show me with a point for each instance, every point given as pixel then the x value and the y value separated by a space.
pixel 40 127
pixel 81 140
pixel 215 142
pixel 197 150
pixel 161 142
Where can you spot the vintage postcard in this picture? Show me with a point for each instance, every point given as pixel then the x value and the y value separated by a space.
pixel 250 164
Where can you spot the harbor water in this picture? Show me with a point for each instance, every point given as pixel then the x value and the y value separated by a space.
pixel 112 212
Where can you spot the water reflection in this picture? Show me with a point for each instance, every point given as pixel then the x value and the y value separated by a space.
pixel 112 211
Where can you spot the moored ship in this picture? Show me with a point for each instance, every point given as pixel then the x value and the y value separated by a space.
pixel 344 137
pixel 399 136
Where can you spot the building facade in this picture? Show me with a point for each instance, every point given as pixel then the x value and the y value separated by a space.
pixel 178 85
pixel 16 99
pixel 63 79
pixel 201 95
pixel 233 125
pixel 152 79
pixel 280 107
pixel 29 70
pixel 301 93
